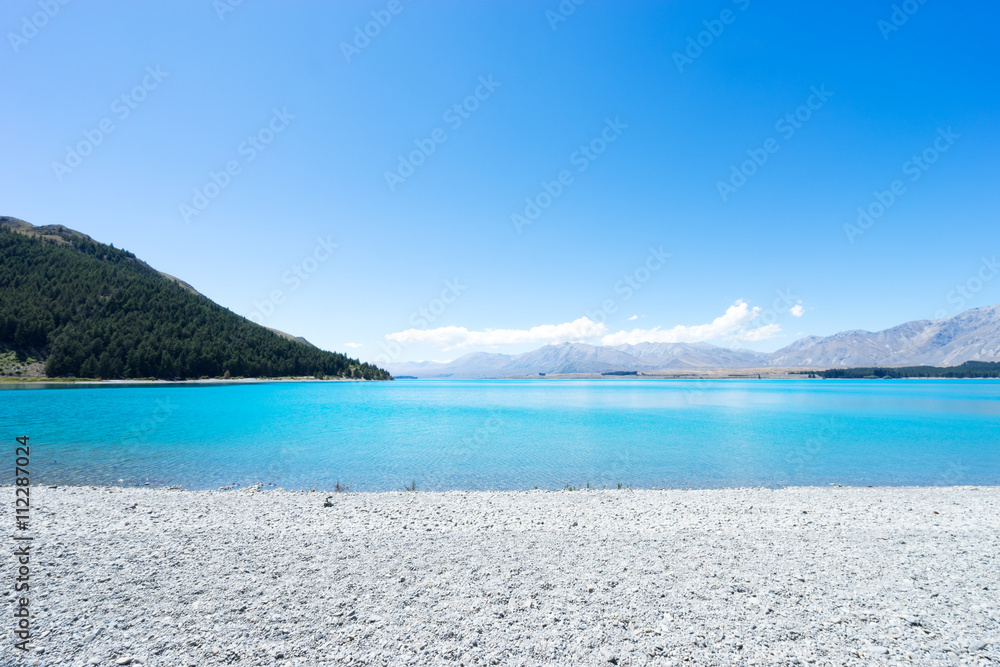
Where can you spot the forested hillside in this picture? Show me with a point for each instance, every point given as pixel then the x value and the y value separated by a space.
pixel 970 369
pixel 91 310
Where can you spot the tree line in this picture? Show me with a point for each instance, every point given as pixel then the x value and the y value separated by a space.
pixel 95 311
pixel 970 369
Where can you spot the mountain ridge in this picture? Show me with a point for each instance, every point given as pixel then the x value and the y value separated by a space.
pixel 972 335
pixel 58 234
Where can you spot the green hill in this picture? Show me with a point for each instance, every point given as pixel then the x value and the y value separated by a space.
pixel 91 310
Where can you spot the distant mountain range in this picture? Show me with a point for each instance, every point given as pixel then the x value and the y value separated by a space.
pixel 973 335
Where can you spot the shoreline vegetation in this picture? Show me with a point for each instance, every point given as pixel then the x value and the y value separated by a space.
pixel 726 576
pixel 969 370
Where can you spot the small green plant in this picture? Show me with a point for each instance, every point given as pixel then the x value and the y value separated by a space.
pixel 341 488
pixel 569 487
pixel 412 486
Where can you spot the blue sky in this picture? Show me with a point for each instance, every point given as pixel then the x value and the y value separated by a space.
pixel 623 123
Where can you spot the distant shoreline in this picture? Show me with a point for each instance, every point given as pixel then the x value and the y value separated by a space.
pixel 707 375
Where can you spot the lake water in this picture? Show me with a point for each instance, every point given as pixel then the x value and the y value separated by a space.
pixel 510 434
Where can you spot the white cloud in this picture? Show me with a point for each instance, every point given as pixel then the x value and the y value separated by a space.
pixel 729 325
pixel 354 345
pixel 796 310
pixel 578 331
pixel 732 326
pixel 760 333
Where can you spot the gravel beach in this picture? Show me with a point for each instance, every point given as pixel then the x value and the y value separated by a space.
pixel 824 576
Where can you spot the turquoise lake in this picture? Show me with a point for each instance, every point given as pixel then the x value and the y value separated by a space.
pixel 510 434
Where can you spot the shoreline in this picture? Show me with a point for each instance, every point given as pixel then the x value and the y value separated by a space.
pixel 826 575
pixel 269 487
pixel 12 382
pixel 221 381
